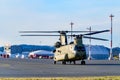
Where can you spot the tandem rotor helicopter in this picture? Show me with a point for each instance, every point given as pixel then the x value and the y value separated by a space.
pixel 68 52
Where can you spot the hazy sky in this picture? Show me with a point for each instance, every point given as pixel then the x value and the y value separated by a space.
pixel 18 15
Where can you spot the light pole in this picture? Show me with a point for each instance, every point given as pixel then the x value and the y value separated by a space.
pixel 71 24
pixel 89 57
pixel 111 42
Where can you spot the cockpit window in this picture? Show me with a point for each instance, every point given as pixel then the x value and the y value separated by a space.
pixel 79 48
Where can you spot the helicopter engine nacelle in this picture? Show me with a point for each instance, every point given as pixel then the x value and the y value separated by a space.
pixel 57 44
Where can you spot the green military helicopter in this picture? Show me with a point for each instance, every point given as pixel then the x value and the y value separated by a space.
pixel 68 52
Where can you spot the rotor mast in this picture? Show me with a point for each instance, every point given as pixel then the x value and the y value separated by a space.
pixel 78 40
pixel 63 38
pixel 71 29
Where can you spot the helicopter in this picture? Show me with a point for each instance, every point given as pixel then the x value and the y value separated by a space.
pixel 71 52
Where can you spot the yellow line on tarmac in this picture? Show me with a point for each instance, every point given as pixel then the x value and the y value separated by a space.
pixel 66 78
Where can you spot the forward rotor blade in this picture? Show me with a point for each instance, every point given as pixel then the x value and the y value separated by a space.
pixel 95 38
pixel 97 32
pixel 38 31
pixel 54 31
pixel 43 35
pixel 37 35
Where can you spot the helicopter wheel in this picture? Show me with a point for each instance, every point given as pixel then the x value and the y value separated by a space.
pixel 54 62
pixel 74 62
pixel 63 62
pixel 82 62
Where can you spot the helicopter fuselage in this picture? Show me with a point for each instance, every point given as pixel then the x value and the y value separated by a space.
pixel 70 52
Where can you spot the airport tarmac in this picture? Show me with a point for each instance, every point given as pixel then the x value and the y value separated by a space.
pixel 46 68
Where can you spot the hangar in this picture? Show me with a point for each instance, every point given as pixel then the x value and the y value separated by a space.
pixel 41 54
pixel 97 52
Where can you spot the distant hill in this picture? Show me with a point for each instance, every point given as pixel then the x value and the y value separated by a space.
pixel 28 48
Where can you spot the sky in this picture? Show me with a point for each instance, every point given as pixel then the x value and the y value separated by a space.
pixel 20 15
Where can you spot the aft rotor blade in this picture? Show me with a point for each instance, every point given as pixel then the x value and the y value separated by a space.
pixel 97 32
pixel 79 31
pixel 37 35
pixel 95 38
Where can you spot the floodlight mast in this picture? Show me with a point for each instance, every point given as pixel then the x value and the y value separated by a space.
pixel 89 57
pixel 111 42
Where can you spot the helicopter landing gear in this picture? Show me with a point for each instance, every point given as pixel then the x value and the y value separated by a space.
pixel 74 62
pixel 63 62
pixel 54 62
pixel 82 62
